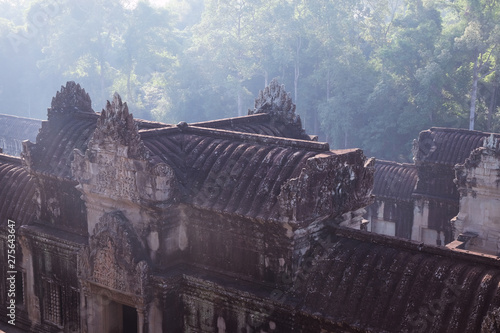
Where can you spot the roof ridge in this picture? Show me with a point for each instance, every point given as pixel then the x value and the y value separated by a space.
pixel 148 124
pixel 242 136
pixel 232 121
pixel 258 138
pixel 21 117
pixel 387 162
pixel 461 130
pixel 150 132
pixel 10 159
pixel 415 246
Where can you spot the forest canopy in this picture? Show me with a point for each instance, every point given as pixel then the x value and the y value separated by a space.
pixel 364 73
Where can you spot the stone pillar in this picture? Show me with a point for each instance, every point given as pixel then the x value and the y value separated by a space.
pixel 154 322
pixel 140 321
pixel 420 219
pixel 32 301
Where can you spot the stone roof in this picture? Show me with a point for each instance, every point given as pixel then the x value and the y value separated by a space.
pixel 14 130
pixel 447 146
pixel 394 180
pixel 17 192
pixel 226 165
pixel 71 122
pixel 261 123
pixel 51 155
pixel 436 152
pixel 241 173
pixel 358 281
pixel 383 284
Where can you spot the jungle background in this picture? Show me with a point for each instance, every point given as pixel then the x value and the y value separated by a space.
pixel 364 73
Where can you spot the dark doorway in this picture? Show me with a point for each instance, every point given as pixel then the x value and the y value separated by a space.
pixel 129 319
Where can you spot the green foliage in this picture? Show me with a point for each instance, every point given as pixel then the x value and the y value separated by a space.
pixel 364 73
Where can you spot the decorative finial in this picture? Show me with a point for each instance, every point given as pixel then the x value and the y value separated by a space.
pixel 491 142
pixel 275 101
pixel 117 125
pixel 70 99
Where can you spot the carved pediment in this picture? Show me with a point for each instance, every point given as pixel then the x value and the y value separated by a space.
pixel 116 126
pixel 116 164
pixel 115 257
pixel 329 185
pixel 72 98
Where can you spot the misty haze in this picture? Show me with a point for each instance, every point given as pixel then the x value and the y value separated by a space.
pixel 241 166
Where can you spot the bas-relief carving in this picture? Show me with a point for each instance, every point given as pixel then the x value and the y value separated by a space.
pixel 115 258
pixel 325 187
pixel 106 272
pixel 116 164
pixel 491 322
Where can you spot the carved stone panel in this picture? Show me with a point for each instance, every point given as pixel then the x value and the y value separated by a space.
pixel 329 185
pixel 115 258
pixel 116 164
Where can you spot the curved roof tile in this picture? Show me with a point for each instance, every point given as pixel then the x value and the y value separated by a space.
pixel 394 180
pixel 54 146
pixel 71 122
pixel 17 192
pixel 447 146
pixel 232 176
pixel 397 286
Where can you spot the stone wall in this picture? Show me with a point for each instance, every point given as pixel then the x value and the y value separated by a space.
pixel 478 180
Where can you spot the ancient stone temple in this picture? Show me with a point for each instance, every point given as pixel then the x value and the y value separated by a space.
pixel 245 224
pixel 418 201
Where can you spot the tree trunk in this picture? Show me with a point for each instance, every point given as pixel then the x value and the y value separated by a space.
pixel 316 123
pixel 297 69
pixel 328 85
pixel 129 88
pixel 296 83
pixel 473 93
pixel 240 103
pixel 239 74
pixel 491 108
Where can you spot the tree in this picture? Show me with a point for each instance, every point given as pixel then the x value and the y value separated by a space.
pixel 410 75
pixel 480 40
pixel 342 72
pixel 93 60
pixel 148 60
pixel 225 44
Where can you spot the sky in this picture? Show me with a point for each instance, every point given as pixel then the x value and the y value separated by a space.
pixel 156 3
